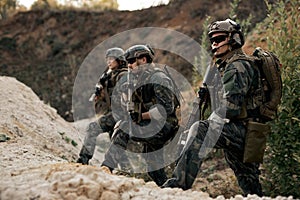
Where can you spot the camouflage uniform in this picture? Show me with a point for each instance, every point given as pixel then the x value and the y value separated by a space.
pixel 157 91
pixel 106 122
pixel 238 80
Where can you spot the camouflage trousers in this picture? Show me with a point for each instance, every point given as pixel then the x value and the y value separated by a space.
pixel 104 124
pixel 231 139
pixel 117 150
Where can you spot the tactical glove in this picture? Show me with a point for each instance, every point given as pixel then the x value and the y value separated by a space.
pixel 135 116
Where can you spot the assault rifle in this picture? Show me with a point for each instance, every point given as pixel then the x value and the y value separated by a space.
pixel 129 103
pixel 200 104
pixel 100 84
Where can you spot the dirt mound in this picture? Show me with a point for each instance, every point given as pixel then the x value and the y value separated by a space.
pixel 32 133
pixel 37 148
pixel 74 181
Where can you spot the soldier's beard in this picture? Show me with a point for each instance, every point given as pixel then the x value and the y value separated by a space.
pixel 221 54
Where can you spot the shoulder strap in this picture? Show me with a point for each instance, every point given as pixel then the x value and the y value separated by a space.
pixel 236 57
pixel 118 73
pixel 177 95
pixel 251 59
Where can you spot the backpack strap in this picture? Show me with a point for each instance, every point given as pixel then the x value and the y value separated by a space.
pixel 239 55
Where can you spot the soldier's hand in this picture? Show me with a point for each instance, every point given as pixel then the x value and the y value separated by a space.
pixel 135 116
pixel 96 98
pixel 202 92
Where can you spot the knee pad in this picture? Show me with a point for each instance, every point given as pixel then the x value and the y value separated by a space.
pixel 93 126
pixel 107 123
pixel 198 129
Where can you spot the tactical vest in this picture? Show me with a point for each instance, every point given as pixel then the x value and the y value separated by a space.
pixel 253 98
pixel 266 91
pixel 144 96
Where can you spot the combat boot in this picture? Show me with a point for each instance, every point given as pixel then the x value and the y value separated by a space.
pixel 171 183
pixel 83 160
pixel 158 176
pixel 84 156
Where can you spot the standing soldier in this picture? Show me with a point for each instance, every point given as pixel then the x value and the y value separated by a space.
pixel 104 88
pixel 238 80
pixel 152 121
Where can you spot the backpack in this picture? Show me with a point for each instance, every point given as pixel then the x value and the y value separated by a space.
pixel 270 88
pixel 269 91
pixel 269 66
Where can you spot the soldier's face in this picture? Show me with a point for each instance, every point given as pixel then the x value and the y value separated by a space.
pixel 134 64
pixel 219 43
pixel 112 63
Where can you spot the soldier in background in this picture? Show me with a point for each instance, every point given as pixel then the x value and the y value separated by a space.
pixel 152 121
pixel 116 67
pixel 237 80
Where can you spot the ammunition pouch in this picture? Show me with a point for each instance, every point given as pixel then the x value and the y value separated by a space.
pixel 101 106
pixel 255 142
pixel 267 113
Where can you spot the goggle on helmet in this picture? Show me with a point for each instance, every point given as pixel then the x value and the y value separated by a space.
pixel 229 27
pixel 138 51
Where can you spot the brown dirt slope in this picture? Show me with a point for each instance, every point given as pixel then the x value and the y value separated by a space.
pixel 44 49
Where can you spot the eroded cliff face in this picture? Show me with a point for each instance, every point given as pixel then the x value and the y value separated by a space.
pixel 44 49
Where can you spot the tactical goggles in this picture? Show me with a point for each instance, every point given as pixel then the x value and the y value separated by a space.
pixel 131 60
pixel 218 39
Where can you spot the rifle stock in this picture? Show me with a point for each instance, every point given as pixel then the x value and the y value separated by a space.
pixel 200 104
pixel 100 84
pixel 97 92
pixel 129 103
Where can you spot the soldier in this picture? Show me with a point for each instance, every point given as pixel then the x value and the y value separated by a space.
pixel 116 68
pixel 152 121
pixel 238 80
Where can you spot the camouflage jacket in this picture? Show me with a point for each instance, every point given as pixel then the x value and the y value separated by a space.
pixel 153 92
pixel 239 80
pixel 155 87
pixel 103 103
pixel 114 78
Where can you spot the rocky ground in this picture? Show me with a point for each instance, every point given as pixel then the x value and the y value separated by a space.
pixel 38 149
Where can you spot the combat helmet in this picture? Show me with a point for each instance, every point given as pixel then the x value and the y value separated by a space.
pixel 231 28
pixel 117 53
pixel 138 51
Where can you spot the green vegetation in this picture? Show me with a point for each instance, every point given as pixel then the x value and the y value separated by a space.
pixel 67 139
pixel 282 168
pixel 245 24
pixel 7 6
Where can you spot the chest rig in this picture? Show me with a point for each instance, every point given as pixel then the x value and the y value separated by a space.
pixel 144 95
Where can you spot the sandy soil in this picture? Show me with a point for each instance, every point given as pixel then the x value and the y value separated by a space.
pixel 38 149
